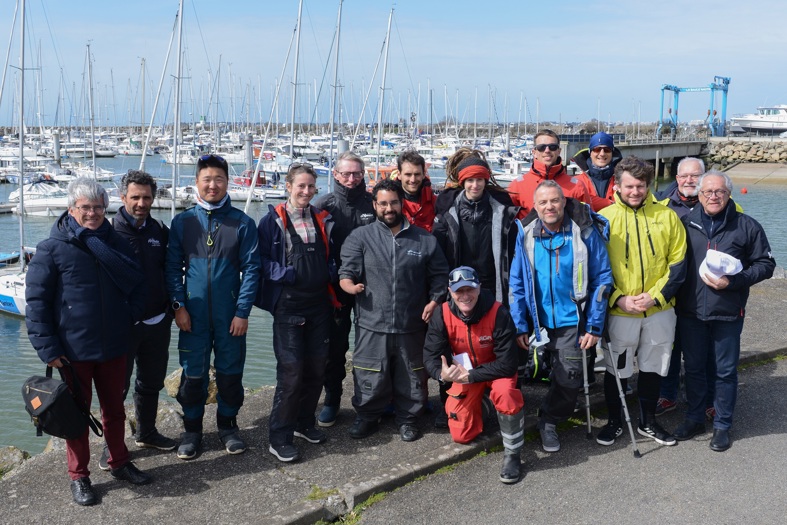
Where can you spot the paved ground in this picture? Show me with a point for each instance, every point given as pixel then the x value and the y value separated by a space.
pixel 588 483
pixel 332 478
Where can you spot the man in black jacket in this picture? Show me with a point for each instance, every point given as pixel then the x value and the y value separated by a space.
pixel 350 206
pixel 84 292
pixel 149 342
pixel 727 254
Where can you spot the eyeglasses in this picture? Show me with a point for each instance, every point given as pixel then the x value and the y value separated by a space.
pixel 688 175
pixel 88 209
pixel 350 174
pixel 462 274
pixel 543 147
pixel 602 149
pixel 714 193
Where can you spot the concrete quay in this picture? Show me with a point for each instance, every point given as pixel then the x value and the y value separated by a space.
pixel 329 481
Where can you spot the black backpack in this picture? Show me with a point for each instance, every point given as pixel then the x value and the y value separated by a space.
pixel 55 409
pixel 538 366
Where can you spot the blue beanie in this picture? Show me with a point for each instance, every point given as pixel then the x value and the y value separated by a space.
pixel 601 139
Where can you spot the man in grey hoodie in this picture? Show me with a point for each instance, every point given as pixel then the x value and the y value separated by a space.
pixel 398 275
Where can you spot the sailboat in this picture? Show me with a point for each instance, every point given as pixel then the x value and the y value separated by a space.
pixel 12 284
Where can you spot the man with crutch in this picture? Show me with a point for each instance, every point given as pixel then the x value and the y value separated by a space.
pixel 560 280
pixel 647 247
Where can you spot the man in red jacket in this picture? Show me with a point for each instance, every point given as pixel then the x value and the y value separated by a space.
pixel 477 335
pixel 419 200
pixel 547 165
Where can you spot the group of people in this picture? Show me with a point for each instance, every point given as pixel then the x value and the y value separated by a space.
pixel 570 263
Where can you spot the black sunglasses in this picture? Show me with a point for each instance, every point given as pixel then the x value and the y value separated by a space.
pixel 543 147
pixel 211 156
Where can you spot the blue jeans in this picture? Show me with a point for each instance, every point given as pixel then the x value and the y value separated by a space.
pixel 671 382
pixel 701 341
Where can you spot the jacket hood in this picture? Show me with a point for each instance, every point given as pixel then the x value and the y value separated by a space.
pixel 581 214
pixel 582 159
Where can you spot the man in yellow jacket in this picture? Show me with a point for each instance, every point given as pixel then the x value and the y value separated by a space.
pixel 647 247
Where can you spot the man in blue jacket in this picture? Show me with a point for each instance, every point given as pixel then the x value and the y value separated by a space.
pixel 212 273
pixel 84 292
pixel 727 254
pixel 560 280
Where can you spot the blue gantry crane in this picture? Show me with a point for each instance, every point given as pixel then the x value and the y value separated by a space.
pixel 715 123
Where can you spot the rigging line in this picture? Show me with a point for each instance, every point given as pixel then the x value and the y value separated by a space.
pixel 202 38
pixel 322 80
pixel 404 56
pixel 314 34
pixel 8 52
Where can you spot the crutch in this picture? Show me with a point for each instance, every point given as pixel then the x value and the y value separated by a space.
pixel 608 356
pixel 586 386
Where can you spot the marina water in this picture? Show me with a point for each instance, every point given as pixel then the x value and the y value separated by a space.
pixel 18 360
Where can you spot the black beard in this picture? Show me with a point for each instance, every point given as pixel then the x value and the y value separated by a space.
pixel 390 223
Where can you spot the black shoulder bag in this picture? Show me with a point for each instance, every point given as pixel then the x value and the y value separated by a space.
pixel 57 410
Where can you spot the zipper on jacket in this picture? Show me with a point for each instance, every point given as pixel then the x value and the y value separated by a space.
pixel 641 262
pixel 209 242
pixel 470 346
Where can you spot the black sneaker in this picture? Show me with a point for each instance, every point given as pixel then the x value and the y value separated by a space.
pixel 409 432
pixel 157 441
pixel 312 435
pixel 103 461
pixel 654 431
pixel 609 433
pixel 362 428
pixel 286 453
pixel 82 492
pixel 129 472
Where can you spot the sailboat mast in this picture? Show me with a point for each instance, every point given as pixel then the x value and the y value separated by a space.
pixel 332 160
pixel 142 115
pixel 382 98
pixel 90 100
pixel 295 82
pixel 22 138
pixel 176 130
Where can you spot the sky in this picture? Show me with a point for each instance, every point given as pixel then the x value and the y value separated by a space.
pixel 508 61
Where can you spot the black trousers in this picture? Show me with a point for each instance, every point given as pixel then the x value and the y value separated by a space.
pixel 149 350
pixel 335 370
pixel 300 343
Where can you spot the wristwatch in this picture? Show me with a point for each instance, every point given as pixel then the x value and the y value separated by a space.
pixel 177 305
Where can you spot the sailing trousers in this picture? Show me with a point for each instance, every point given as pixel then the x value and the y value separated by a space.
pixel 149 349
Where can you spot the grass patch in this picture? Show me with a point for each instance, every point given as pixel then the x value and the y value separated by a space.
pixel 354 516
pixel 318 493
pixel 761 363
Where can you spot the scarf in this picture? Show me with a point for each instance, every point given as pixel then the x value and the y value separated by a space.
pixel 209 205
pixel 123 270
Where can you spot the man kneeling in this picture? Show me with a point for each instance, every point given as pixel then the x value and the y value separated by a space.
pixel 478 335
